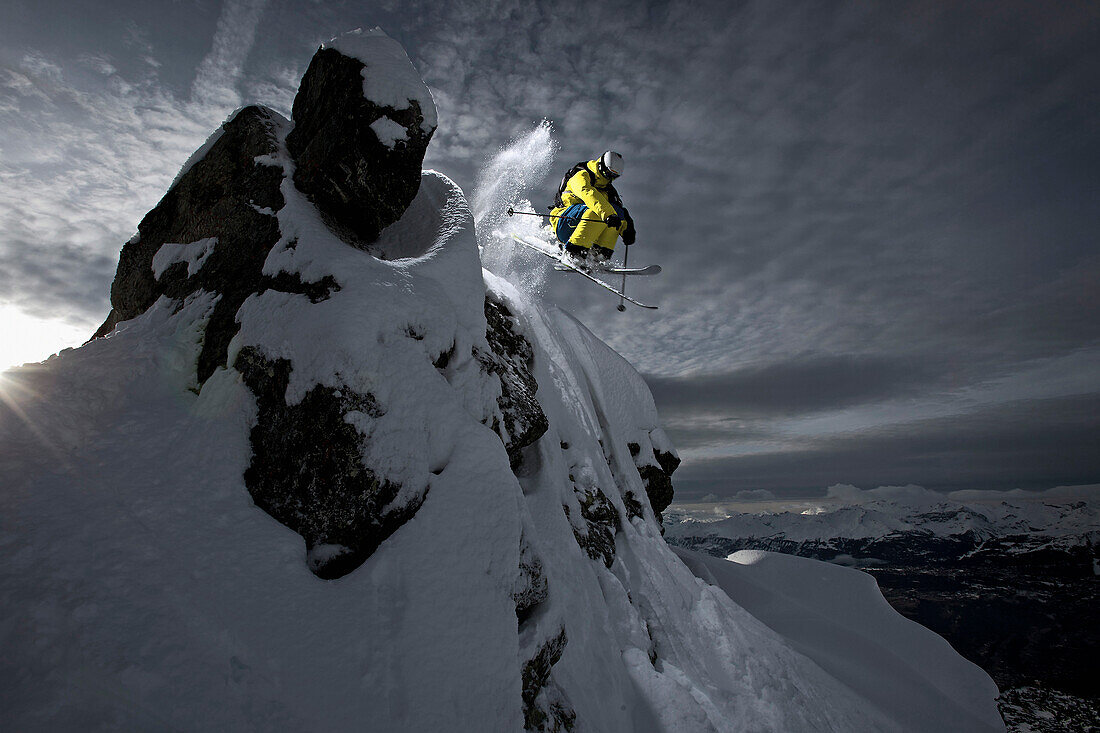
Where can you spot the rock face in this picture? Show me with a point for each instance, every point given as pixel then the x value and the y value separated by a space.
pixel 656 471
pixel 226 196
pixel 531 587
pixel 522 420
pixel 307 469
pixel 358 159
pixel 600 524
pixel 545 708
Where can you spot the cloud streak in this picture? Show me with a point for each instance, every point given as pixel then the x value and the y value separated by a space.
pixel 988 449
pixel 84 161
pixel 217 76
pixel 793 387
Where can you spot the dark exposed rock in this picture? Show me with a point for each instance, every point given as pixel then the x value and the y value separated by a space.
pixel 286 282
pixel 544 705
pixel 633 506
pixel 658 486
pixel 656 473
pixel 652 651
pixel 222 326
pixel 531 586
pixel 356 181
pixel 217 197
pixel 226 195
pixel 512 359
pixel 307 469
pixel 440 362
pixel 668 463
pixel 602 522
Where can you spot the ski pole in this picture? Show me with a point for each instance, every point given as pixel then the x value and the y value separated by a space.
pixel 622 291
pixel 512 212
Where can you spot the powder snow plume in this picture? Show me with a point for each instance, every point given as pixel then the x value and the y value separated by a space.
pixel 519 166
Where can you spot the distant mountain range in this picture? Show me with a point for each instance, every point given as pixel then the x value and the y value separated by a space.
pixel 910 529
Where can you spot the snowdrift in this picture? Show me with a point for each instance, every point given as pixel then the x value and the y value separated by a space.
pixel 467 536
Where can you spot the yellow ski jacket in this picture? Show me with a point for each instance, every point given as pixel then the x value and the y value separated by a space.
pixel 588 187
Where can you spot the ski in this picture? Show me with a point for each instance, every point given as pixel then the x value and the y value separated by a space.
pixel 650 270
pixel 608 269
pixel 579 271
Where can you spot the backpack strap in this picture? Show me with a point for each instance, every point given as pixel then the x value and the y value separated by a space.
pixel 613 196
pixel 582 166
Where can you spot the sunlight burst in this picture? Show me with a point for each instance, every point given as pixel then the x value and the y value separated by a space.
pixel 25 338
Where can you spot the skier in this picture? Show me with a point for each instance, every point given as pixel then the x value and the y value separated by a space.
pixel 588 214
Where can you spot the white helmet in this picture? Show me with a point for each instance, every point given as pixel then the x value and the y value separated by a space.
pixel 610 165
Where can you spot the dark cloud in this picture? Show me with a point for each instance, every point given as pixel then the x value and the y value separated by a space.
pixel 52 280
pixel 794 387
pixel 1026 444
pixel 708 433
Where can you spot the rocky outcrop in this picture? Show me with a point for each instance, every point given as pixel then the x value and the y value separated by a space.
pixel 215 229
pixel 634 508
pixel 351 161
pixel 656 472
pixel 522 420
pixel 545 708
pixel 226 196
pixel 600 524
pixel 531 587
pixel 307 469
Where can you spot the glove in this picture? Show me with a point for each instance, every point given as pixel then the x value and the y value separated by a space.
pixel 613 221
pixel 629 234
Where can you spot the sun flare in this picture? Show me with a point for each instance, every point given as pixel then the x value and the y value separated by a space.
pixel 25 338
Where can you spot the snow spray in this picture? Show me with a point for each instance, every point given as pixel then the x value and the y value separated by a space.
pixel 519 166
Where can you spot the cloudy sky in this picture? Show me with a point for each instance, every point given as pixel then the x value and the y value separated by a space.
pixel 878 221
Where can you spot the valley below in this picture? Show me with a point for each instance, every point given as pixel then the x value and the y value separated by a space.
pixel 1021 606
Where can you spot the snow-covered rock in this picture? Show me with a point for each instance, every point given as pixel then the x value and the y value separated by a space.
pixel 389 78
pixel 229 228
pixel 478 469
pixel 362 121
